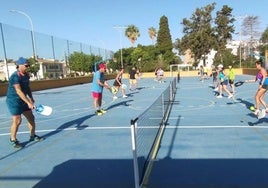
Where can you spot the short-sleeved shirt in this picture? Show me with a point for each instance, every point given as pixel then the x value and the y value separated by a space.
pixel 15 104
pixel 132 74
pixel 221 76
pixel 95 86
pixel 231 75
pixel 160 72
pixel 205 69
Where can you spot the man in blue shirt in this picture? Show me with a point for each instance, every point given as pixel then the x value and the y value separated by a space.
pixel 98 83
pixel 19 101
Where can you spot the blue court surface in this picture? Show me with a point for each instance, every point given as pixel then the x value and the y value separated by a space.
pixel 208 142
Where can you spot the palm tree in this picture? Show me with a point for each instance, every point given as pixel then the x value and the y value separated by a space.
pixel 152 33
pixel 132 33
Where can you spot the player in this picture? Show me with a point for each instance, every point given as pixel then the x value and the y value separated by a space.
pixel 215 79
pixel 261 78
pixel 19 100
pixel 201 73
pixel 133 84
pixel 118 84
pixel 223 82
pixel 160 75
pixel 231 77
pixel 98 83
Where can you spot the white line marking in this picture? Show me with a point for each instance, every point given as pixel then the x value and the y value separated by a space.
pixel 70 129
pixel 214 127
pixel 143 127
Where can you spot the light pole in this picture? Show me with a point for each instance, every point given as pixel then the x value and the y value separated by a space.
pixel 119 28
pixel 32 29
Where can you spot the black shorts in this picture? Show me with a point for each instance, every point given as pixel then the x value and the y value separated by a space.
pixel 116 83
pixel 265 86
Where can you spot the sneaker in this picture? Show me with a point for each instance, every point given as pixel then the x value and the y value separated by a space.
pixel 15 143
pixel 103 111
pixel 36 138
pixel 124 96
pixel 216 89
pixel 219 96
pixel 98 112
pixel 115 97
pixel 262 114
pixel 256 112
pixel 230 96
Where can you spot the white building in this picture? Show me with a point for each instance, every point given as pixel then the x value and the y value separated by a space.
pixel 47 69
pixel 233 45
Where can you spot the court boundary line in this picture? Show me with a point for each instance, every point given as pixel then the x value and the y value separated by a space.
pixel 214 126
pixel 151 127
pixel 71 129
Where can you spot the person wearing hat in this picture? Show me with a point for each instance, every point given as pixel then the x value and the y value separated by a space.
pixel 98 83
pixel 20 101
pixel 223 82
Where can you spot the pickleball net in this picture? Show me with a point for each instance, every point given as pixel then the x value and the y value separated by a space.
pixel 146 133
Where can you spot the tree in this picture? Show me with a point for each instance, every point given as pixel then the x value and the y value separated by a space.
pixel 82 63
pixel 224 29
pixel 34 66
pixel 164 43
pixel 264 36
pixel 132 33
pixel 225 58
pixel 148 55
pixel 264 43
pixel 250 28
pixel 199 35
pixel 152 34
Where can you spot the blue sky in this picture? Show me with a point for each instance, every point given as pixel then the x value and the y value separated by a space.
pixel 92 21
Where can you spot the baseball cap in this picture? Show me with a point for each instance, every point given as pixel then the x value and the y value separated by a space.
pixel 102 65
pixel 220 66
pixel 22 61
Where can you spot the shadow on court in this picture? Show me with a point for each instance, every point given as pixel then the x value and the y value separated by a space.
pixel 78 123
pixel 122 103
pixel 247 106
pixel 97 173
pixel 245 102
pixel 259 121
pixel 208 173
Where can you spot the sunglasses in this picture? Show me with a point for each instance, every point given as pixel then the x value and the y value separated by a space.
pixel 26 65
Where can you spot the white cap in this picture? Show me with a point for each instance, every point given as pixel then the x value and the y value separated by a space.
pixel 220 66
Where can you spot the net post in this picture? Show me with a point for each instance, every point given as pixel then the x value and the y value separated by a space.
pixel 170 91
pixel 134 152
pixel 175 85
pixel 163 105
